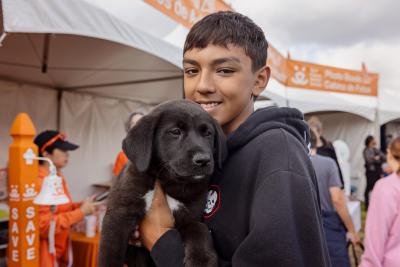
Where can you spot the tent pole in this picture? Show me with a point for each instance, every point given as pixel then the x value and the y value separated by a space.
pixel 75 88
pixel 59 97
pixel 2 37
pixel 46 49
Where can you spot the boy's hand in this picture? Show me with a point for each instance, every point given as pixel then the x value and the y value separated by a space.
pixel 157 220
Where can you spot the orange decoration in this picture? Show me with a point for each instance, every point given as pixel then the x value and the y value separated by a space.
pixel 23 245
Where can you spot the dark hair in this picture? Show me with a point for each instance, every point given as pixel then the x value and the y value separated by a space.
pixel 313 139
pixel 128 121
pixel 368 140
pixel 227 27
pixel 49 150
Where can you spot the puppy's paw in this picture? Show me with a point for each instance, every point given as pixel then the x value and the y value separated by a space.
pixel 201 259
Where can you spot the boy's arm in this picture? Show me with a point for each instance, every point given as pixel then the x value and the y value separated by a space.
pixel 285 228
pixel 285 225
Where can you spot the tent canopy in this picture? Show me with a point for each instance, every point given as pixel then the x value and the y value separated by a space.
pixel 105 67
pixel 316 101
pixel 389 105
pixel 59 52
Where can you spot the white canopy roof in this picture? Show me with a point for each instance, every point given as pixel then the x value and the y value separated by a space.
pixel 123 60
pixel 315 101
pixel 389 105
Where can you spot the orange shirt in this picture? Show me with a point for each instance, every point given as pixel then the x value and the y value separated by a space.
pixel 65 216
pixel 119 164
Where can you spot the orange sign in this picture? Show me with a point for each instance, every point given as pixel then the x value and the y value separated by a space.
pixel 188 12
pixel 288 72
pixel 330 79
pixel 23 244
pixel 278 64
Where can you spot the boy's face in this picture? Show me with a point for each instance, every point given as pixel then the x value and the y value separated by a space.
pixel 222 81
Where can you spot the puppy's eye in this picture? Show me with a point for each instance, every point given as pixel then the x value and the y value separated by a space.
pixel 175 132
pixel 208 132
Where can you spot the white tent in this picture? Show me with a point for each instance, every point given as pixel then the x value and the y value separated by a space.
pixel 389 114
pixel 389 105
pixel 345 117
pixel 316 101
pixel 77 66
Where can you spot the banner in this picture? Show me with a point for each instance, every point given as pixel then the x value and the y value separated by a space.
pixel 291 73
pixel 330 79
pixel 278 64
pixel 188 12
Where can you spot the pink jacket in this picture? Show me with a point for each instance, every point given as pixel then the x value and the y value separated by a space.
pixel 382 229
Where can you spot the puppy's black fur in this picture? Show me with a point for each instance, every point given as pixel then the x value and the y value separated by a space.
pixel 178 143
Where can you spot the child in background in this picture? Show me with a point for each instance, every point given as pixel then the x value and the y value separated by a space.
pixel 53 145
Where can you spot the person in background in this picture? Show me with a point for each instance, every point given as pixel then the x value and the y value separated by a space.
pixel 336 217
pixel 324 147
pixel 53 145
pixel 373 158
pixel 121 159
pixel 382 228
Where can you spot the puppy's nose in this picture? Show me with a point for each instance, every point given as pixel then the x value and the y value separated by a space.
pixel 201 159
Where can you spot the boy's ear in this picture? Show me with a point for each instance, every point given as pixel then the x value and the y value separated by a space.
pixel 262 78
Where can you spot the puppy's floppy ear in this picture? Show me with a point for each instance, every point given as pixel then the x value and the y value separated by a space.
pixel 220 148
pixel 138 144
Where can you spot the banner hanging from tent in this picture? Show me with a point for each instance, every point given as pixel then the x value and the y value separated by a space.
pixel 330 79
pixel 290 73
pixel 188 12
pixel 278 64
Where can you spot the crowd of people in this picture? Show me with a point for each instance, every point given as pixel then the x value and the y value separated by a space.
pixel 382 225
pixel 288 206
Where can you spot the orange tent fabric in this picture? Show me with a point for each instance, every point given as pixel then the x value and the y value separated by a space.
pixel 65 216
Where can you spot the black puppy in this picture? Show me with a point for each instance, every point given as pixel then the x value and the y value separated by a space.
pixel 178 143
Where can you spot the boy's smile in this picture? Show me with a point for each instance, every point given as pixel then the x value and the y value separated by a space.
pixel 221 80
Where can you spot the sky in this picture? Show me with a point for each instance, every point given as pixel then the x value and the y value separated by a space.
pixel 341 33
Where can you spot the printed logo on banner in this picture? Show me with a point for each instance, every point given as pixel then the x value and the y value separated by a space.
pixel 14 194
pixel 299 75
pixel 29 193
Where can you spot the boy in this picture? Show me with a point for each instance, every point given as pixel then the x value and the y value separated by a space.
pixel 262 208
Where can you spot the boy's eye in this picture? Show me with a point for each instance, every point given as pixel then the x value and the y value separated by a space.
pixel 225 71
pixel 191 71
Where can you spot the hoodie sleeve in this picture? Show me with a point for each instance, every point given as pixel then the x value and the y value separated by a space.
pixel 291 229
pixel 285 224
pixel 289 234
pixel 168 251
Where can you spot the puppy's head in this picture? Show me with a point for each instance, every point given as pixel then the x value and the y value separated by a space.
pixel 179 140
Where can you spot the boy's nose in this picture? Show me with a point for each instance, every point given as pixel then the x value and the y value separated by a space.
pixel 205 84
